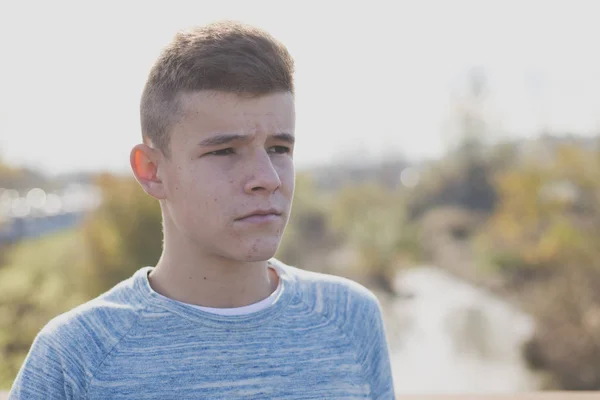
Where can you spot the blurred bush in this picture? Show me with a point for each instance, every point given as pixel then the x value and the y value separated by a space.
pixel 522 219
pixel 543 239
pixel 38 280
pixel 122 235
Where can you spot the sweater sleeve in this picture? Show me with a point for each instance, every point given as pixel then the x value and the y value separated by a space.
pixel 49 371
pixel 376 354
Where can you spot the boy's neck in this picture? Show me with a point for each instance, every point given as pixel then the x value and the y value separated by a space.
pixel 213 283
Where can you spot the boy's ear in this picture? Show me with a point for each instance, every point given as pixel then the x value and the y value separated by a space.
pixel 145 163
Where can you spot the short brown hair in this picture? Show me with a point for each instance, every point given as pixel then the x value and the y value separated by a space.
pixel 226 56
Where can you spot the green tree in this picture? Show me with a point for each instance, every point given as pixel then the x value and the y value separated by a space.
pixel 39 279
pixel 123 234
pixel 372 218
pixel 308 236
pixel 544 238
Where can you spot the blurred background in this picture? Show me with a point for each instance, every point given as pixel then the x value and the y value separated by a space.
pixel 448 158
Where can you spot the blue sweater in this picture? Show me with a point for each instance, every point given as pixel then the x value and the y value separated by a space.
pixel 322 338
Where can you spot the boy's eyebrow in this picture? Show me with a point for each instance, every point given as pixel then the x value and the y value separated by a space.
pixel 221 139
pixel 284 137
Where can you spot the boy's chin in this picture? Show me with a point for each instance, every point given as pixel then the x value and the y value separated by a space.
pixel 257 253
pixel 260 256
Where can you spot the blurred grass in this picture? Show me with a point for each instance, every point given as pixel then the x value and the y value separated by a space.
pixel 38 281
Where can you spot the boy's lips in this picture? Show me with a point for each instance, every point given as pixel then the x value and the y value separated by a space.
pixel 261 215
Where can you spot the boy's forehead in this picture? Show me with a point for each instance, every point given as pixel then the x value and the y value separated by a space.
pixel 213 99
pixel 223 112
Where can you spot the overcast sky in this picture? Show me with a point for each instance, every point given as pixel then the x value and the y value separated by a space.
pixel 373 78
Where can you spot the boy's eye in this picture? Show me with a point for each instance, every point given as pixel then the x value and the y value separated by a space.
pixel 222 152
pixel 279 149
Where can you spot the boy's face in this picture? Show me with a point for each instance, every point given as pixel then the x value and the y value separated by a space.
pixel 231 159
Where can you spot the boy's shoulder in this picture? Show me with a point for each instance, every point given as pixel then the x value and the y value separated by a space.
pixel 340 302
pixel 328 289
pixel 67 351
pixel 98 324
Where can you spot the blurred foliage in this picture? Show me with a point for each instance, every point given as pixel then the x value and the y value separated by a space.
pixel 548 213
pixel 22 178
pixel 372 219
pixel 530 217
pixel 544 237
pixel 368 217
pixel 308 231
pixel 39 279
pixel 123 234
